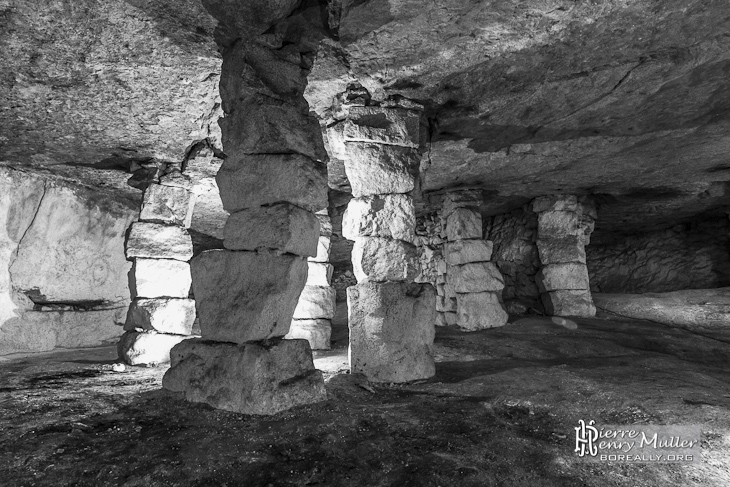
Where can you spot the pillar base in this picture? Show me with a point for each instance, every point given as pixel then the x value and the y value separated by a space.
pixel 252 378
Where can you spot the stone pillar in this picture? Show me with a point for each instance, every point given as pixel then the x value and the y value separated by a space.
pixel 161 314
pixel 563 231
pixel 272 183
pixel 316 306
pixel 474 282
pixel 391 318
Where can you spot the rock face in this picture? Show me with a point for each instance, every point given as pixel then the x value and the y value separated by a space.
pixel 153 240
pixel 251 378
pixel 703 311
pixel 62 254
pixel 391 330
pixel 246 296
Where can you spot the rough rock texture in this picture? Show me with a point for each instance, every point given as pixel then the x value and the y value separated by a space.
pixel 289 177
pixel 553 277
pixel 383 259
pixel 391 330
pixel 147 347
pixel 319 274
pixel 477 311
pixel 323 250
pixel 106 82
pixel 252 378
pixel 167 204
pixel 157 241
pixel 245 296
pixel 703 311
pixel 156 278
pixel 390 215
pixel 468 251
pixel 164 315
pixel 396 126
pixel 516 255
pixel 316 332
pixel 463 223
pixel 562 250
pixel 316 302
pixel 689 256
pixel 283 227
pixel 375 169
pixel 475 277
pixel 569 303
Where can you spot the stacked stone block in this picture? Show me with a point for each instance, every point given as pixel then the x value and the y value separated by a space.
pixel 564 228
pixel 161 314
pixel 316 306
pixel 272 183
pixel 391 318
pixel 474 282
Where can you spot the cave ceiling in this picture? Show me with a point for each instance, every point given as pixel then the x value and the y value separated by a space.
pixel 625 100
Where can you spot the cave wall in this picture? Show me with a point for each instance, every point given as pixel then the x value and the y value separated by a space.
pixel 63 274
pixel 515 253
pixel 688 256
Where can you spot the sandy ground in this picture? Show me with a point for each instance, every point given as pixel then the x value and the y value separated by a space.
pixel 499 412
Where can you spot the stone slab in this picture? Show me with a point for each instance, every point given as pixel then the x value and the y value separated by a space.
pixel 555 203
pixel 323 250
pixel 479 311
pixel 316 332
pixel 391 215
pixel 319 274
pixel 561 250
pixel 553 277
pixel 558 224
pixel 157 241
pixel 569 303
pixel 316 302
pixel 246 296
pixel 391 330
pixel 475 277
pixel 252 378
pixel 164 315
pixel 396 126
pixel 167 204
pixel 251 181
pixel 147 348
pixel 156 278
pixel 468 251
pixel 380 169
pixel 283 227
pixel 463 223
pixel 384 259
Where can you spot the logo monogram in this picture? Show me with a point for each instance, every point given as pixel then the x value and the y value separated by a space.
pixel 585 436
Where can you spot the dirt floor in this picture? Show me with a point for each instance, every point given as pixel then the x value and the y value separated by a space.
pixel 500 412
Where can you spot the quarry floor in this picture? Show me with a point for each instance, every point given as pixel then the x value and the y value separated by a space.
pixel 499 412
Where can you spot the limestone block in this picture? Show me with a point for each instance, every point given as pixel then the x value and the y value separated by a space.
pixel 384 259
pixel 246 296
pixel 283 227
pixel 164 315
pixel 383 125
pixel 463 223
pixel 553 277
pixel 259 180
pixel 569 303
pixel 252 378
pixel 391 330
pixel 445 305
pixel 558 224
pixel 316 332
pixel 156 241
pixel 41 331
pixel 316 302
pixel 451 319
pixel 263 125
pixel 478 311
pixel 555 203
pixel 319 274
pixel 147 347
pixel 167 204
pixel 561 250
pixel 156 278
pixel 475 277
pixel 380 169
pixel 468 251
pixel 325 223
pixel 391 215
pixel 323 250
pixel 441 319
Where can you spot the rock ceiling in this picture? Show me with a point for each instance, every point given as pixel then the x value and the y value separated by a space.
pixel 626 100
